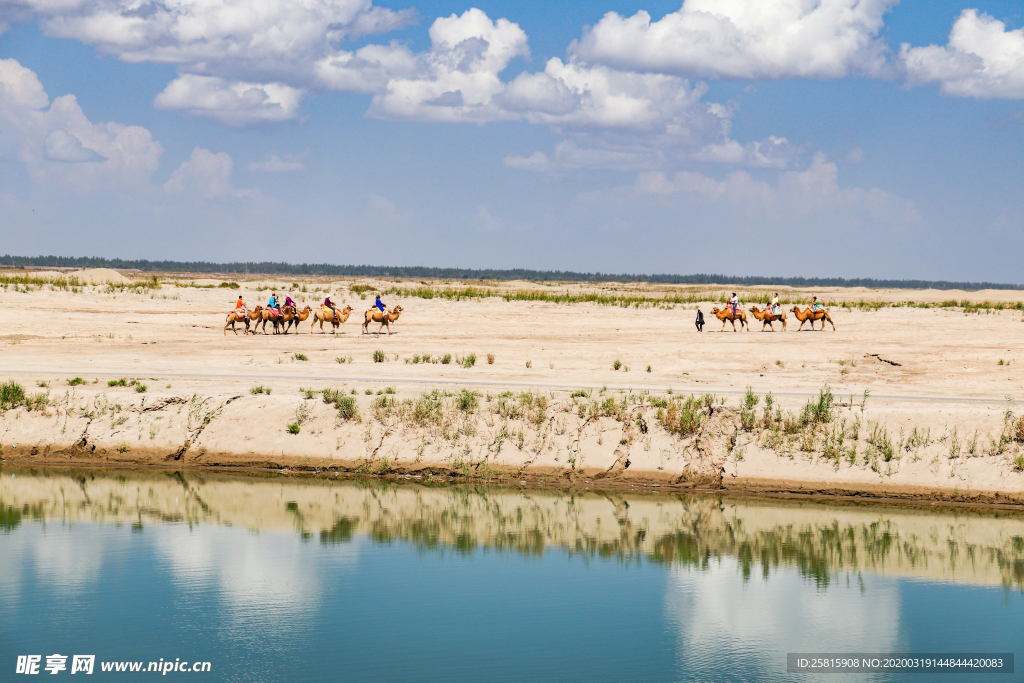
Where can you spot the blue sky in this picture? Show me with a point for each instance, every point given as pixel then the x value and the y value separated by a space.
pixel 786 137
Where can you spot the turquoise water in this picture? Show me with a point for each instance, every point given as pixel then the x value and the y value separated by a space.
pixel 285 579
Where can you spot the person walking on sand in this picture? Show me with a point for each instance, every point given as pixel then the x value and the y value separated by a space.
pixel 700 321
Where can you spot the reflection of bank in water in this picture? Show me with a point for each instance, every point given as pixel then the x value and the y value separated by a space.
pixel 818 540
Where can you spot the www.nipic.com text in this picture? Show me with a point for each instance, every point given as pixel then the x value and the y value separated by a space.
pixel 56 663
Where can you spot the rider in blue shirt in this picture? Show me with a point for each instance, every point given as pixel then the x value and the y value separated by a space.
pixel 380 304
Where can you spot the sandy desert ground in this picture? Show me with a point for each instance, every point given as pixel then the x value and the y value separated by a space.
pixel 944 386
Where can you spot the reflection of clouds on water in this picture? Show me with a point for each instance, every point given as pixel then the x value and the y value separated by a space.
pixel 725 624
pixel 66 559
pixel 273 580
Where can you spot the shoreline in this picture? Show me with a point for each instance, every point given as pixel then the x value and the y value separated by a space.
pixel 916 497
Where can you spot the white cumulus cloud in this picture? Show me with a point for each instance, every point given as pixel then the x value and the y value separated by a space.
pixel 272 36
pixel 458 78
pixel 813 192
pixel 982 59
pixel 266 52
pixel 233 103
pixel 773 152
pixel 744 39
pixel 207 175
pixel 285 163
pixel 47 137
pixel 63 146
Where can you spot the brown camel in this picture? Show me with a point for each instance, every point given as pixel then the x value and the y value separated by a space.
pixel 272 316
pixel 728 316
pixel 321 316
pixel 767 318
pixel 236 316
pixel 290 316
pixel 808 315
pixel 375 316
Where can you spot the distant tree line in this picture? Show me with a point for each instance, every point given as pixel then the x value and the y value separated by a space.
pixel 280 268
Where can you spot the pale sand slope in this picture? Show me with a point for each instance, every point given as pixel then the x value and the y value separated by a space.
pixel 962 546
pixel 173 336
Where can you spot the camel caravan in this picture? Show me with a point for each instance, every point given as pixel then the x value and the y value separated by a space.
pixel 733 313
pixel 283 317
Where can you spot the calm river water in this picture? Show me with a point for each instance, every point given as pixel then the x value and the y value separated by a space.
pixel 294 579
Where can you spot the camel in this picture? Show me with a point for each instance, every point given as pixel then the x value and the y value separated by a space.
pixel 728 316
pixel 808 315
pixel 235 316
pixel 323 316
pixel 375 316
pixel 290 316
pixel 275 319
pixel 767 318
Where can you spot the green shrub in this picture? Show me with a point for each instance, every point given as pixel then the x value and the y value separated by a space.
pixel 750 399
pixel 617 364
pixel 683 415
pixel 117 382
pixel 75 381
pixel 469 361
pixel 467 400
pixel 37 401
pixel 821 411
pixel 446 359
pixel 12 395
pixel 141 388
pixel 229 285
pixel 880 439
pixel 300 356
pixel 378 356
pixel 293 428
pixel 260 390
pixel 346 405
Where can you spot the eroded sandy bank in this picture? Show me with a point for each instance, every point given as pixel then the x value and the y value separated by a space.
pixel 608 439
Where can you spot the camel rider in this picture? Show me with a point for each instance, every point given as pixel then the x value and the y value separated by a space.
pixel 816 305
pixel 240 308
pixel 734 303
pixel 288 302
pixel 380 305
pixel 330 304
pixel 775 304
pixel 273 304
